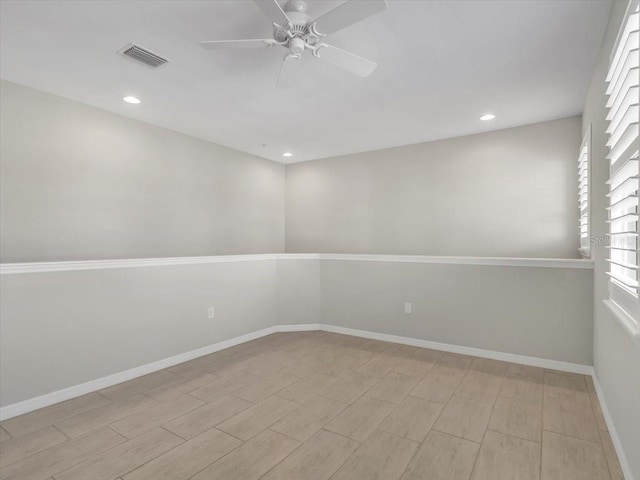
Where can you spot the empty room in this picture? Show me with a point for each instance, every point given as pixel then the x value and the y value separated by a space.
pixel 319 240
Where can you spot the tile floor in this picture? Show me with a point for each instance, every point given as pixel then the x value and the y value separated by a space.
pixel 317 405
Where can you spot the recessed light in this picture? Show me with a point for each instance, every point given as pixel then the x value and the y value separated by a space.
pixel 487 116
pixel 131 100
pixel 287 154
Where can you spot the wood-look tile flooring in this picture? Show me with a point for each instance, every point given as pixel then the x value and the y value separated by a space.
pixel 317 405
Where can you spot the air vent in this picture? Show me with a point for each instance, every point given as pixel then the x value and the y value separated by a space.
pixel 142 55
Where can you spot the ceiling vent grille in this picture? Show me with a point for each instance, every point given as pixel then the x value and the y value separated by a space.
pixel 142 55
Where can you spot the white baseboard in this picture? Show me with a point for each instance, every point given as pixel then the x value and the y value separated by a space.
pixel 300 327
pixel 58 396
pixel 617 443
pixel 476 352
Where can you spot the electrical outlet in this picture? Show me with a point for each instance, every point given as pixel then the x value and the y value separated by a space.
pixel 407 307
pixel 212 312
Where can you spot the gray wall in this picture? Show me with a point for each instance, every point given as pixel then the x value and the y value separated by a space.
pixel 616 356
pixel 298 291
pixel 79 183
pixel 61 329
pixel 537 312
pixel 504 193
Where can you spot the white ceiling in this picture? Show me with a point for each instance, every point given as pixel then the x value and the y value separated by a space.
pixel 442 64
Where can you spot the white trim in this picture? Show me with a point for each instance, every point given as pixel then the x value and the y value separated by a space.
pixel 12 268
pixel 617 443
pixel 297 256
pixel 58 396
pixel 40 267
pixel 476 352
pixel 624 319
pixel 298 327
pixel 489 261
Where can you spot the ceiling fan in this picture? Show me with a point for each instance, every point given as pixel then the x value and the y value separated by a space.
pixel 296 31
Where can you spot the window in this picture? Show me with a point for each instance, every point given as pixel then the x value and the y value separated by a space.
pixel 584 166
pixel 624 164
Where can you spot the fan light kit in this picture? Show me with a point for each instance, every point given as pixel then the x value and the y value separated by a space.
pixel 131 100
pixel 487 116
pixel 296 31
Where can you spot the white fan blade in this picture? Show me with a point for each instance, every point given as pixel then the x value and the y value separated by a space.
pixel 250 43
pixel 347 60
pixel 289 65
pixel 273 10
pixel 350 12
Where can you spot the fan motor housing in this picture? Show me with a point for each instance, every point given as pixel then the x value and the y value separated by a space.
pixel 299 27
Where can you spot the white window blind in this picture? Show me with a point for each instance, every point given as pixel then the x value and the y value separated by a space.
pixel 584 176
pixel 624 165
